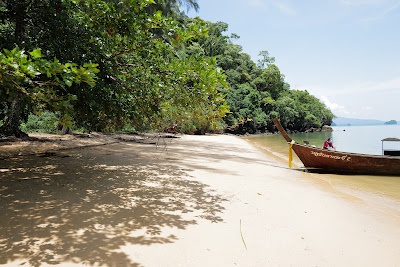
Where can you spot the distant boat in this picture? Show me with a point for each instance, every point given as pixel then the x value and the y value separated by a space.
pixel 327 161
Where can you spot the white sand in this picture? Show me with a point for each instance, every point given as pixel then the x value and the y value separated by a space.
pixel 284 217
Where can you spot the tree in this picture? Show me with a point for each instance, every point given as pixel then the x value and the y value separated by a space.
pixel 31 82
pixel 258 93
pixel 266 59
pixel 173 7
pixel 141 75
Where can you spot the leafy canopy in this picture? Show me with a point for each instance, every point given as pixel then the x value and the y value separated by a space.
pixel 141 78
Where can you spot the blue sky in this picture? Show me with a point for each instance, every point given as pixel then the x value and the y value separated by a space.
pixel 345 52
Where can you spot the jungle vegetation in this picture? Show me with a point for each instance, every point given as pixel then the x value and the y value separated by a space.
pixel 106 64
pixel 258 91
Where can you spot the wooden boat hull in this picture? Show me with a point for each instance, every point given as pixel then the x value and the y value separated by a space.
pixel 323 160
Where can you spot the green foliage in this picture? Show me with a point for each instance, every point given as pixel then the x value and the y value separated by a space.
pixel 259 92
pixel 140 63
pixel 266 59
pixel 38 85
pixel 207 105
pixel 141 72
pixel 45 122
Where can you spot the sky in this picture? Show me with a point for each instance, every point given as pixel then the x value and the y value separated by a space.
pixel 344 52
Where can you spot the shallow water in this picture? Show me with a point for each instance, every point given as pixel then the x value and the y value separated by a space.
pixel 384 190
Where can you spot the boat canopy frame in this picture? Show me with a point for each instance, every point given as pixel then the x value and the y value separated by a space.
pixel 390 139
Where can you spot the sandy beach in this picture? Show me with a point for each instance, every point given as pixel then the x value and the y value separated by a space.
pixel 213 200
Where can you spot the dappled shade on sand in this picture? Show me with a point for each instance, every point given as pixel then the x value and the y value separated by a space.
pixel 82 206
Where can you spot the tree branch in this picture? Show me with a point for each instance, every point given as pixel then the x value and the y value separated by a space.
pixel 133 49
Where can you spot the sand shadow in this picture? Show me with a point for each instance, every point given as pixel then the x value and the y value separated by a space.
pixel 196 151
pixel 84 205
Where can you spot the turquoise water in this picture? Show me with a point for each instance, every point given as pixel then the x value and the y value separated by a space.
pixel 356 139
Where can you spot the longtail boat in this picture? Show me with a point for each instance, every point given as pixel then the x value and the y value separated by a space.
pixel 328 161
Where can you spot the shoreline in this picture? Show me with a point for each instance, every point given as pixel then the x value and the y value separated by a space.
pixel 213 200
pixel 359 188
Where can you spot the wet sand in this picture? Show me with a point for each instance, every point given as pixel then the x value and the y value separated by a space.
pixel 190 201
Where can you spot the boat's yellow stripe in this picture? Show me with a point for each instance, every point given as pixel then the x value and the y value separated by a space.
pixel 291 154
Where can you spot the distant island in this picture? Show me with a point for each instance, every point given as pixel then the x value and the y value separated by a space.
pixel 391 122
pixel 340 121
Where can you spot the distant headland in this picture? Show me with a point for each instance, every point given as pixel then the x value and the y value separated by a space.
pixel 340 121
pixel 391 122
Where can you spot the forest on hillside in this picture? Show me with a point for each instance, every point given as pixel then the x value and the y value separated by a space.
pixel 103 65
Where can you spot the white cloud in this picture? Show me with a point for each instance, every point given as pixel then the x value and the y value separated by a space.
pixel 282 6
pixel 367 100
pixel 384 13
pixel 285 8
pixel 367 108
pixel 391 86
pixel 334 107
pixel 381 8
pixel 358 3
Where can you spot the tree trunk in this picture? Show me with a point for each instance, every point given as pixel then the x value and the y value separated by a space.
pixel 66 130
pixel 11 124
pixel 18 12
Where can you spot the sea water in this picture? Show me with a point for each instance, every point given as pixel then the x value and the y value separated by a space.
pixel 384 190
pixel 354 139
pixel 365 139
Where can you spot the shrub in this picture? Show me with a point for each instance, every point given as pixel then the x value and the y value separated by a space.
pixel 45 122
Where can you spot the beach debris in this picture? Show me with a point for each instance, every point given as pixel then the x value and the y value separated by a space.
pixel 46 154
pixel 241 234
